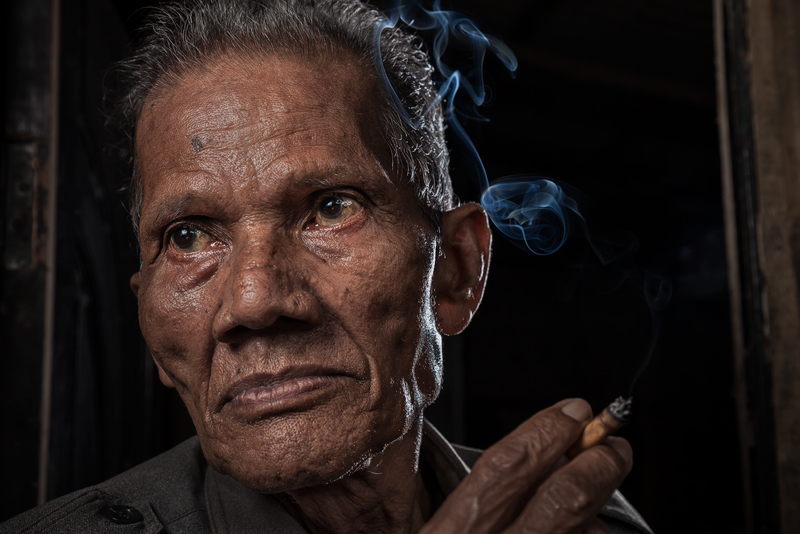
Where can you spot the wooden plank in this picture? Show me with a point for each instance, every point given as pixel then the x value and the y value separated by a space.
pixel 26 274
pixel 774 36
pixel 733 252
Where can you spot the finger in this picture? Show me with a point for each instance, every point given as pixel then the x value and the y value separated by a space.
pixel 507 474
pixel 598 527
pixel 568 501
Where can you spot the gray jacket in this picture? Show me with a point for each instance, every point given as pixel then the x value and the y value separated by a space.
pixel 177 492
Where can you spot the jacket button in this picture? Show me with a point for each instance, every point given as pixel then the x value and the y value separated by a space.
pixel 121 515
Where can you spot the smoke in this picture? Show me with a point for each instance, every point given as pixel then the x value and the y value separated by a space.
pixel 465 83
pixel 446 25
pixel 657 292
pixel 537 214
pixel 532 213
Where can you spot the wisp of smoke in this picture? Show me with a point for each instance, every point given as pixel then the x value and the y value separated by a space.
pixel 533 212
pixel 530 212
pixel 445 24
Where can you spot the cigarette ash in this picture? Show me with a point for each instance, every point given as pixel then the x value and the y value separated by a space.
pixel 621 409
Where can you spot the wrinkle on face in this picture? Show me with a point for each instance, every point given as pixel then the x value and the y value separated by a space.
pixel 274 291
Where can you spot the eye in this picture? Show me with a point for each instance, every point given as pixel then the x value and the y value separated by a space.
pixel 188 239
pixel 334 209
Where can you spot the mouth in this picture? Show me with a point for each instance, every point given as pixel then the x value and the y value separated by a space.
pixel 297 388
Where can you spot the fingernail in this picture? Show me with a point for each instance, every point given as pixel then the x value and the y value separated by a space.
pixel 578 409
pixel 621 446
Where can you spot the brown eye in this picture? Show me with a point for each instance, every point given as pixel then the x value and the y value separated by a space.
pixel 187 239
pixel 334 209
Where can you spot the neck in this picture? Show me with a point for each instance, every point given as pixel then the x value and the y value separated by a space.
pixel 386 496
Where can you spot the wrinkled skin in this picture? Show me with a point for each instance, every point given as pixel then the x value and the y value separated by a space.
pixel 239 160
pixel 294 295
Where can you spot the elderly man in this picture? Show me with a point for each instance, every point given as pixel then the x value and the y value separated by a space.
pixel 302 255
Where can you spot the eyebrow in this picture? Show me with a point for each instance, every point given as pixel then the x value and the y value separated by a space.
pixel 327 177
pixel 173 208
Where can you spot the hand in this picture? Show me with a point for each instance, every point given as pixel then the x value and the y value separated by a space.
pixel 524 483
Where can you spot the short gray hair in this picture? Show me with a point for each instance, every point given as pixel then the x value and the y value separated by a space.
pixel 181 37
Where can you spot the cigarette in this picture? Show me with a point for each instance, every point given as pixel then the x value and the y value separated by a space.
pixel 612 418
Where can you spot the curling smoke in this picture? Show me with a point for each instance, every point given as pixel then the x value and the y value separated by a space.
pixel 445 24
pixel 531 213
pixel 534 213
pixel 657 293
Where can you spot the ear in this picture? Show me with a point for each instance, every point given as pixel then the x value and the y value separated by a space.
pixel 165 379
pixel 135 283
pixel 462 267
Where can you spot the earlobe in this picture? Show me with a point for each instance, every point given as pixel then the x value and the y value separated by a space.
pixel 135 283
pixel 165 379
pixel 463 266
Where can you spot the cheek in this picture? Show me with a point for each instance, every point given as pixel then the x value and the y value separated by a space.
pixel 427 367
pixel 392 303
pixel 175 322
pixel 390 291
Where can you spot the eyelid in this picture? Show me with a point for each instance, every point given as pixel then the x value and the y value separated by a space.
pixel 344 190
pixel 170 228
pixel 200 224
pixel 350 193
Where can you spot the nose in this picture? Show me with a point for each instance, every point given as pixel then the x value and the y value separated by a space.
pixel 264 287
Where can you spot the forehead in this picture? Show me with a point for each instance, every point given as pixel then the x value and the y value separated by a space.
pixel 255 113
pixel 271 85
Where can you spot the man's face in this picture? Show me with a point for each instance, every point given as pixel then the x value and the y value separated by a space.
pixel 287 270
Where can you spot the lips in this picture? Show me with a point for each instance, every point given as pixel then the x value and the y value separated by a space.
pixel 276 392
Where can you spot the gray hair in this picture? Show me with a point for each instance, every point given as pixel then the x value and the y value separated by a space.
pixel 181 37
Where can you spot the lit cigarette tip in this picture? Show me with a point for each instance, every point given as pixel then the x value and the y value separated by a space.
pixel 612 418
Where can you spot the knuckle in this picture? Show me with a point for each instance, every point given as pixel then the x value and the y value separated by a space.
pixel 529 442
pixel 568 496
pixel 542 432
pixel 501 459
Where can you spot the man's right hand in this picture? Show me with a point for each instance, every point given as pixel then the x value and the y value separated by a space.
pixel 524 483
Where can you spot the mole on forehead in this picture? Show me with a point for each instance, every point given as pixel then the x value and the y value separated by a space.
pixel 204 102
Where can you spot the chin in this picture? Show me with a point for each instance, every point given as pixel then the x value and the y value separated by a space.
pixel 290 479
pixel 295 453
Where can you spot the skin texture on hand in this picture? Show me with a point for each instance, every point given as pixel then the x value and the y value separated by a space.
pixel 523 484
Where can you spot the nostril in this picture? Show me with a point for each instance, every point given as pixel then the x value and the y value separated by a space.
pixel 283 324
pixel 235 334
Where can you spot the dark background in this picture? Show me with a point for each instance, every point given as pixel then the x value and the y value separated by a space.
pixel 615 98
